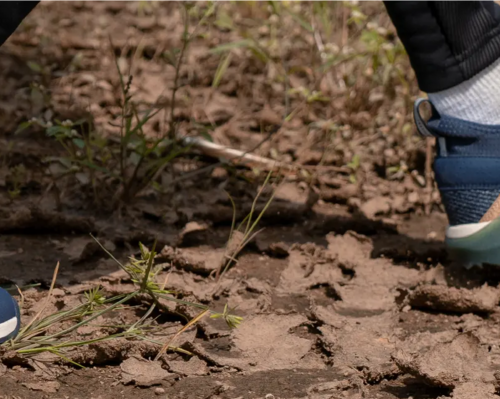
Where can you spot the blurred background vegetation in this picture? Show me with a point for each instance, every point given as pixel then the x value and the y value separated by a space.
pixel 325 85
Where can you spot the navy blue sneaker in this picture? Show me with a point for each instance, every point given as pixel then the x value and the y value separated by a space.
pixel 10 318
pixel 467 172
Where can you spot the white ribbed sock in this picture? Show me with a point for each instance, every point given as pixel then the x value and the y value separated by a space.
pixel 475 100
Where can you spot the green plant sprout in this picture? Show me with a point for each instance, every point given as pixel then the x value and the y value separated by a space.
pixel 38 336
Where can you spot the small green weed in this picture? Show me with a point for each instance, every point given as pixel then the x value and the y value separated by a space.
pixel 240 236
pixel 16 180
pixel 38 336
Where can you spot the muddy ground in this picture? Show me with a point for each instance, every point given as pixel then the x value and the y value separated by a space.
pixel 346 293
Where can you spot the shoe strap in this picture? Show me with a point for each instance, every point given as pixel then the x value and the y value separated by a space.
pixel 419 121
pixel 456 137
pixel 422 127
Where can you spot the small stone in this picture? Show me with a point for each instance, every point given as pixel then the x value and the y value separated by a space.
pixel 159 391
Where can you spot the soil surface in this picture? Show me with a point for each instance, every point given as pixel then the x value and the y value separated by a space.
pixel 346 293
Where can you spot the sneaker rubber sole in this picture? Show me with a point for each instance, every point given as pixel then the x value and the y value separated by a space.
pixel 10 317
pixel 475 244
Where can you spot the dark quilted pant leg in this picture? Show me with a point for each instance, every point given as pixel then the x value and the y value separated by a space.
pixel 11 15
pixel 447 42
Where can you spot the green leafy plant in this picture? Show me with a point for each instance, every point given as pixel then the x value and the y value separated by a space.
pixel 354 165
pixel 16 180
pixel 240 236
pixel 39 336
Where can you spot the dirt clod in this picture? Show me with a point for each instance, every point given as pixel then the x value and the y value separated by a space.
pixel 197 260
pixel 193 366
pixel 376 206
pixel 254 346
pixel 472 390
pixel 43 386
pixel 450 364
pixel 144 373
pixel 457 300
pixel 80 248
pixel 363 344
pixel 111 351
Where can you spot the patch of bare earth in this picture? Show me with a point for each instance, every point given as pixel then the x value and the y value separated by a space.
pixel 347 293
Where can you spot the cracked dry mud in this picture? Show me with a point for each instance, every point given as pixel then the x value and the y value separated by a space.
pixel 327 321
pixel 346 293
